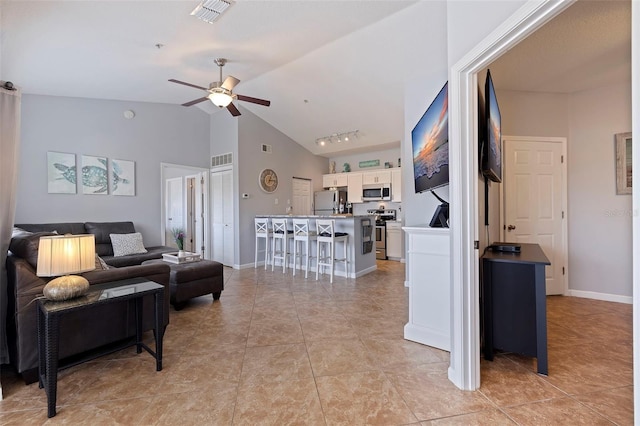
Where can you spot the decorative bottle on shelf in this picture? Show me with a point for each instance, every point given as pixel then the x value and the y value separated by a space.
pixel 341 208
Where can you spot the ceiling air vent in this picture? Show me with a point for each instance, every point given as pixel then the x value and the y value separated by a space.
pixel 222 160
pixel 266 148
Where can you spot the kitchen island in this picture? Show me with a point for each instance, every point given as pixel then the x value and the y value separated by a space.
pixel 361 239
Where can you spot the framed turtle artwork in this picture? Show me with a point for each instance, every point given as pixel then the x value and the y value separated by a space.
pixel 61 173
pixel 95 179
pixel 123 177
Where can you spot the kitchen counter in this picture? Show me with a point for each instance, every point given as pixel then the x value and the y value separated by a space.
pixel 359 263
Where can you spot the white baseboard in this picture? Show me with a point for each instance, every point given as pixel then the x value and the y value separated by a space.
pixel 601 296
pixel 364 272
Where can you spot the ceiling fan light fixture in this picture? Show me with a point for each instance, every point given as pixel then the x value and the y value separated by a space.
pixel 220 97
pixel 210 10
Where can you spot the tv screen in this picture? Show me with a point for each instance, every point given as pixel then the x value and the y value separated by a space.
pixel 430 145
pixel 492 152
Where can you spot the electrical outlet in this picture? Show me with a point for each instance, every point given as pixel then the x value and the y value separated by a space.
pixel 276 201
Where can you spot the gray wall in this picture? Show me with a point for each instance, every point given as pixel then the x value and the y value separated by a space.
pixel 599 221
pixel 158 133
pixel 288 159
pixel 600 233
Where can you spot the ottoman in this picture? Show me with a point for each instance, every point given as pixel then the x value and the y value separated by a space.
pixel 193 279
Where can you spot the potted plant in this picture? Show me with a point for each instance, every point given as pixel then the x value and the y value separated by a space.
pixel 178 237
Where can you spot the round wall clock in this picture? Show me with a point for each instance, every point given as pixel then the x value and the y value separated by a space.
pixel 268 180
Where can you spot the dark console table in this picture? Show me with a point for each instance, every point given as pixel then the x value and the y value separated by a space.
pixel 514 303
pixel 50 312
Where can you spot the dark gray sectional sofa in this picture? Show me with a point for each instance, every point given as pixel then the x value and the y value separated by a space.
pixel 84 330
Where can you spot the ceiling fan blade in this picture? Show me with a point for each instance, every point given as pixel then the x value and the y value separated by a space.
pixel 196 101
pixel 230 82
pixel 187 84
pixel 233 110
pixel 253 100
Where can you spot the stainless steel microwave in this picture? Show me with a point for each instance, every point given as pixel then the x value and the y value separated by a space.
pixel 378 192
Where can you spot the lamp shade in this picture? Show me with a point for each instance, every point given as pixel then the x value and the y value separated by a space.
pixel 66 254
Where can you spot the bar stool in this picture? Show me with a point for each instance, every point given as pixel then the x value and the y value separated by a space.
pixel 326 241
pixel 263 231
pixel 302 235
pixel 284 235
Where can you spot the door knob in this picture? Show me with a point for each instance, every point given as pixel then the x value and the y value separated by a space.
pixel 510 228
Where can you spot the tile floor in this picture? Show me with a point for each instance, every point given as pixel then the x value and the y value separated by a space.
pixel 277 351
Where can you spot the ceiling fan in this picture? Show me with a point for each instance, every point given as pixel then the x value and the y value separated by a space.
pixel 221 92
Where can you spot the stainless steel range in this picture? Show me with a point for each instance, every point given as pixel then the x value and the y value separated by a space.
pixel 382 216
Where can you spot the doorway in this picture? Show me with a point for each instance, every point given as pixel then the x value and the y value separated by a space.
pixel 184 204
pixel 464 369
pixel 301 196
pixel 534 200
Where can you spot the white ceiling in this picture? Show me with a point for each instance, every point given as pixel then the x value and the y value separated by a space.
pixel 286 51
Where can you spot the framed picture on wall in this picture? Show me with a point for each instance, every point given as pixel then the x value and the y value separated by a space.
pixel 123 177
pixel 94 175
pixel 624 171
pixel 61 173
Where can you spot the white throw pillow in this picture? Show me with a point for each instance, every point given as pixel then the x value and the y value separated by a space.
pixel 124 244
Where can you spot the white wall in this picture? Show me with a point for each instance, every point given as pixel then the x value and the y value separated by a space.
pixel 428 75
pixel 600 243
pixel 158 133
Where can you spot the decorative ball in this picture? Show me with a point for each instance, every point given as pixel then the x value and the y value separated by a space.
pixel 65 288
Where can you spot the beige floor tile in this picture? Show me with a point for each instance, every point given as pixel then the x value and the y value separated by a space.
pixel 430 395
pixel 614 404
pixel 366 398
pixel 491 417
pixel 276 363
pixel 332 356
pixel 560 411
pixel 291 402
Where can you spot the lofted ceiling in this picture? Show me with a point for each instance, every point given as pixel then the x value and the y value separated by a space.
pixel 317 61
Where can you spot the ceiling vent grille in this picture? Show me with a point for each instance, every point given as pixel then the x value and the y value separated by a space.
pixel 210 10
pixel 266 148
pixel 222 160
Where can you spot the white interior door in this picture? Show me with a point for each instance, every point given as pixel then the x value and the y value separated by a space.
pixel 301 196
pixel 174 208
pixel 534 191
pixel 222 217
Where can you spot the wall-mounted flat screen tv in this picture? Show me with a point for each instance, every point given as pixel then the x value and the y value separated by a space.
pixel 492 148
pixel 430 145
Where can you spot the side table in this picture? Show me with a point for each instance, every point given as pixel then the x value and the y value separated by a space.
pixel 50 312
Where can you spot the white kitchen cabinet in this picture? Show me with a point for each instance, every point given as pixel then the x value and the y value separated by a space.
pixel 354 188
pixel 428 263
pixel 396 185
pixel 395 248
pixel 335 180
pixel 375 177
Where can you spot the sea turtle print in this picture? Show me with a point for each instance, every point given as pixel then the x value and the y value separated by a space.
pixel 92 176
pixel 115 177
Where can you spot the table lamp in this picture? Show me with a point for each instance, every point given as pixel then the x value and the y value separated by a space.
pixel 62 255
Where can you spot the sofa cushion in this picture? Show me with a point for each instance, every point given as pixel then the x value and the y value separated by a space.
pixel 126 244
pixel 60 228
pixel 26 245
pixel 101 264
pixel 103 230
pixel 137 259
